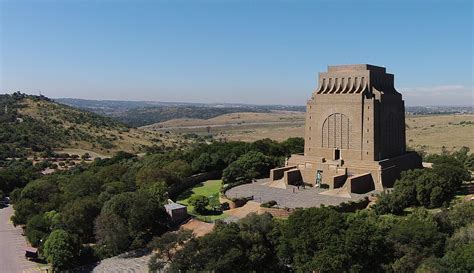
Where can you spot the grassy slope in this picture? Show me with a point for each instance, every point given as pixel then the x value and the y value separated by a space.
pixel 210 189
pixel 72 129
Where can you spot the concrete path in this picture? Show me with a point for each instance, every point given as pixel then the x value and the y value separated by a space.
pixel 12 245
pixel 291 197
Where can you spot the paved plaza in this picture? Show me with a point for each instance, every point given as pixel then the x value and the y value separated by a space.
pixel 291 197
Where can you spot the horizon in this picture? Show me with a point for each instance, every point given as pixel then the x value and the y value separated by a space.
pixel 260 53
pixel 157 101
pixel 210 103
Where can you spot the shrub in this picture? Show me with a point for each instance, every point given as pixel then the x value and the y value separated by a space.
pixel 268 204
pixel 199 202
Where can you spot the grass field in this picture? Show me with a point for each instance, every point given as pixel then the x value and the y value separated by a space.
pixel 209 189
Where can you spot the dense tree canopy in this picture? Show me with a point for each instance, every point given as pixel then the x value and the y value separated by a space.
pixel 324 240
pixel 429 187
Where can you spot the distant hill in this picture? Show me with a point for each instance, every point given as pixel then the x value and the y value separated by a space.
pixel 439 110
pixel 141 113
pixel 30 124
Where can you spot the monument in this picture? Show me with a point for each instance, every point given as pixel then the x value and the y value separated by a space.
pixel 354 133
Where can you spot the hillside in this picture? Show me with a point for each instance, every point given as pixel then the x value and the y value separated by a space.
pixel 142 113
pixel 30 124
pixel 232 119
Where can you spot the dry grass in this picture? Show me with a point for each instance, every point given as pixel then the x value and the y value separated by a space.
pixel 231 119
pixel 124 139
pixel 430 133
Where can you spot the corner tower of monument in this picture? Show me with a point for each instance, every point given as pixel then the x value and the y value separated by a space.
pixel 354 133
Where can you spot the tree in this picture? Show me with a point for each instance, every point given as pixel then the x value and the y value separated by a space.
pixel 85 156
pixel 312 240
pixel 112 233
pixel 206 162
pixel 413 239
pixel 80 185
pixel 430 188
pixel 176 171
pixel 248 245
pixel 293 145
pixel 78 217
pixel 59 249
pixel 199 202
pixel 167 246
pixel 37 229
pixel 24 210
pixel 249 166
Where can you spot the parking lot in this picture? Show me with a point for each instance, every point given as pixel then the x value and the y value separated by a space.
pixel 12 245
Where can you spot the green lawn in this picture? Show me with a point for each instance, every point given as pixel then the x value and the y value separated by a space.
pixel 210 189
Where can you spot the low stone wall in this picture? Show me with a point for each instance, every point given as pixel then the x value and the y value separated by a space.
pixel 292 177
pixel 353 206
pixel 275 212
pixel 362 183
pixel 278 173
pixel 233 204
pixel 338 181
pixel 191 181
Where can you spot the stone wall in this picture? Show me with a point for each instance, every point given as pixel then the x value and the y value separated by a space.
pixel 293 177
pixel 233 203
pixel 360 183
pixel 278 173
pixel 275 212
pixel 190 182
pixel 338 181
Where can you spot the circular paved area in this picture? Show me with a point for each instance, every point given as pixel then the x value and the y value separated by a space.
pixel 291 197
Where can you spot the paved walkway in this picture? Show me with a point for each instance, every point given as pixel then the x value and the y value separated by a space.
pixel 12 247
pixel 124 263
pixel 291 197
pixel 130 262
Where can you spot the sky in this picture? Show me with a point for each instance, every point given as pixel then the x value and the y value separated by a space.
pixel 259 52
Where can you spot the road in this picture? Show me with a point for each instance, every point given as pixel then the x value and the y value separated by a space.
pixel 12 245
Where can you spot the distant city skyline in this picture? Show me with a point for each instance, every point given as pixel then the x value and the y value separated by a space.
pixel 254 52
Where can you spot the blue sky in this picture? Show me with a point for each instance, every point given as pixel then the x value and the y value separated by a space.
pixel 264 52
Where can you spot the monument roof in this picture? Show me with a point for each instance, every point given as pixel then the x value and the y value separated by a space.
pixel 355 79
pixel 355 67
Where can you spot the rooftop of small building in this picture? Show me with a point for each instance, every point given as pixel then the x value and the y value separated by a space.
pixel 173 206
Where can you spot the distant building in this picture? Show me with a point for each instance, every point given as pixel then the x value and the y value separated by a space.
pixel 354 133
pixel 176 212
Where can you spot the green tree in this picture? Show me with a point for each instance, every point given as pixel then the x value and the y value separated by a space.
pixel 112 233
pixel 248 245
pixel 78 217
pixel 249 166
pixel 60 249
pixel 199 202
pixel 312 240
pixel 37 229
pixel 413 239
pixel 166 246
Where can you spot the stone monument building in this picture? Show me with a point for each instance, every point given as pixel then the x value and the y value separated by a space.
pixel 354 133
